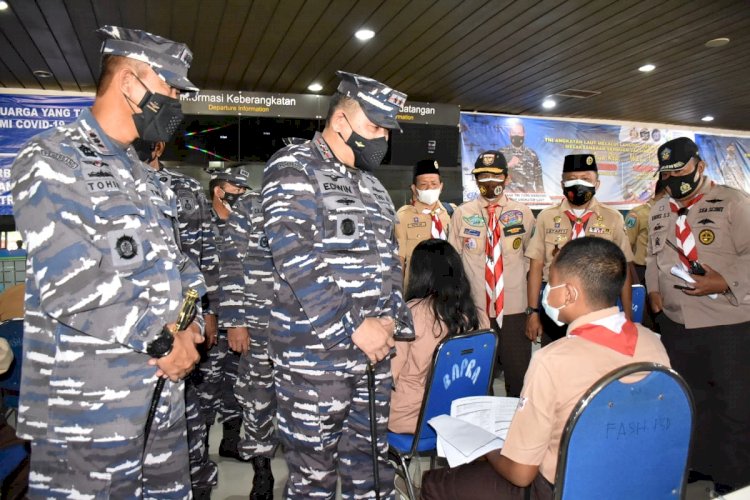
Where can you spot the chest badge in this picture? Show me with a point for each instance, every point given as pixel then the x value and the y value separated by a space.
pixel 706 236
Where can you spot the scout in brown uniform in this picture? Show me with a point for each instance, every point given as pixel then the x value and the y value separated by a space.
pixel 705 327
pixel 579 214
pixel 470 225
pixel 426 217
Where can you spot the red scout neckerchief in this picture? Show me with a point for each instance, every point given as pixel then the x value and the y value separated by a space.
pixel 619 333
pixel 436 231
pixel 683 232
pixel 493 270
pixel 579 223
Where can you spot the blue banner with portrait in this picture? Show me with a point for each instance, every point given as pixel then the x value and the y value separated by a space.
pixel 625 155
pixel 22 116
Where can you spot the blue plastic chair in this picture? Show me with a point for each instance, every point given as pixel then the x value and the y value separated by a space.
pixel 638 303
pixel 628 440
pixel 461 366
pixel 10 458
pixel 10 381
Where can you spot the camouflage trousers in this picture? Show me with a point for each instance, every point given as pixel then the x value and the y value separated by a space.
pixel 218 375
pixel 255 393
pixel 113 469
pixel 324 425
pixel 203 472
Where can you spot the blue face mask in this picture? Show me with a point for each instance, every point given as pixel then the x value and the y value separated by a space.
pixel 552 312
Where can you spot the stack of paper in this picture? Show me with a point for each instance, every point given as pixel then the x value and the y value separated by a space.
pixel 476 426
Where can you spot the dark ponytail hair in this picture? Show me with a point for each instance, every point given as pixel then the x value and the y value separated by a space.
pixel 436 274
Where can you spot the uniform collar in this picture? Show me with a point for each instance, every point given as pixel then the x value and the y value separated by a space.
pixel 593 316
pixel 326 154
pixel 96 139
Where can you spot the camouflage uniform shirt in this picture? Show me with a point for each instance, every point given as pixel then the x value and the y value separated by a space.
pixel 526 176
pixel 331 233
pixel 104 275
pixel 247 281
pixel 196 232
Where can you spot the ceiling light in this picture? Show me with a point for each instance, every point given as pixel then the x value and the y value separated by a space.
pixel 315 87
pixel 647 68
pixel 41 73
pixel 3 5
pixel 549 103
pixel 708 118
pixel 717 42
pixel 364 34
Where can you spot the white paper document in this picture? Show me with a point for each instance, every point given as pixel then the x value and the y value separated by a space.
pixel 476 426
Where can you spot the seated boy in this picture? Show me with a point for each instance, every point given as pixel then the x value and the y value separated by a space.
pixel 585 280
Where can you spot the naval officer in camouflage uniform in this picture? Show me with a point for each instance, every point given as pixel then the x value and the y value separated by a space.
pixel 105 276
pixel 468 235
pixel 330 223
pixel 197 242
pixel 219 369
pixel 578 214
pixel 247 291
pixel 426 216
pixel 523 162
pixel 705 327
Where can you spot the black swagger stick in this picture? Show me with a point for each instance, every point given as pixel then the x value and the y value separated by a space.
pixel 184 318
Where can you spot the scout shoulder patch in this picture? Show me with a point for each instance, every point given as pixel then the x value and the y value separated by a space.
pixel 630 221
pixel 511 218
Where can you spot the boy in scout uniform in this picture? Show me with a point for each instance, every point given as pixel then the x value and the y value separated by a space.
pixel 578 214
pixel 503 299
pixel 427 217
pixel 705 324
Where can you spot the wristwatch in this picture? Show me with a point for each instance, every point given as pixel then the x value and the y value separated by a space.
pixel 162 345
pixel 531 310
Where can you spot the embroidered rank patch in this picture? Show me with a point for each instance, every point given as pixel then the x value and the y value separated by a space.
pixel 516 243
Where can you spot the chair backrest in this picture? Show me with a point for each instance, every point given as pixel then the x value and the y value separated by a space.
pixel 12 331
pixel 461 366
pixel 637 303
pixel 628 440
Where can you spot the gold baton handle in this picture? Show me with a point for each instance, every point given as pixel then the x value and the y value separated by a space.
pixel 187 311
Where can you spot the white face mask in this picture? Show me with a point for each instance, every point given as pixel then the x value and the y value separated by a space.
pixel 428 196
pixel 578 182
pixel 552 312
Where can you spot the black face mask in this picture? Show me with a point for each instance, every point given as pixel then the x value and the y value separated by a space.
pixel 145 150
pixel 684 185
pixel 368 153
pixel 230 198
pixel 160 116
pixel 578 195
pixel 516 140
